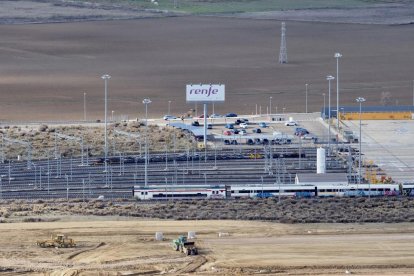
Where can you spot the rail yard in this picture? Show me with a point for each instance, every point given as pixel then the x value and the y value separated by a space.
pixel 193 137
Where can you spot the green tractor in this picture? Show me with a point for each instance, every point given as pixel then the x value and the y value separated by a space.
pixel 187 247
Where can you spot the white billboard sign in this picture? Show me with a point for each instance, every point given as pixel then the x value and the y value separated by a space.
pixel 205 93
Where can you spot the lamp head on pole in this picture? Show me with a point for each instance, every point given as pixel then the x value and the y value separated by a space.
pixel 329 78
pixel 360 100
pixel 338 55
pixel 146 101
pixel 106 77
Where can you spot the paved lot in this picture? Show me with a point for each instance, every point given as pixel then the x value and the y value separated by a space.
pixel 390 145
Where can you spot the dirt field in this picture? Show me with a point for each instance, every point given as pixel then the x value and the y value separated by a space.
pixel 109 246
pixel 46 68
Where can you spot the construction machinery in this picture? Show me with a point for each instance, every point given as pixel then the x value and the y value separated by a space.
pixel 58 240
pixel 185 246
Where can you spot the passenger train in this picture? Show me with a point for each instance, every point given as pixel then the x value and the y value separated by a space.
pixel 162 192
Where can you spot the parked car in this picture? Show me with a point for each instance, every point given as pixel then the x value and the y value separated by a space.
pixel 233 142
pixel 216 115
pixel 243 132
pixel 202 116
pixel 229 126
pixel 237 122
pixel 301 132
pixel 265 141
pixel 227 142
pixel 195 123
pixel 169 117
pixel 210 126
pixel 308 137
pixel 291 123
pixel 244 120
pixel 227 132
pixel 250 142
pixel 235 131
pixel 231 115
pixel 243 125
pixel 257 141
pixel 257 130
pixel 263 125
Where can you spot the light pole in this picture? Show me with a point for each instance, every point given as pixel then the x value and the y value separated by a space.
pixel 169 108
pixel 106 77
pixel 284 110
pixel 306 98
pixel 337 56
pixel 67 187
pixel 112 116
pixel 329 78
pixel 84 106
pixel 270 105
pixel 324 105
pixel 146 102
pixel 360 100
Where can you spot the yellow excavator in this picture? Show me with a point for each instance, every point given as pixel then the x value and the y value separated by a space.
pixel 58 240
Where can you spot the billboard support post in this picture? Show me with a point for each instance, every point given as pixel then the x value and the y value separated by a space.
pixel 205 125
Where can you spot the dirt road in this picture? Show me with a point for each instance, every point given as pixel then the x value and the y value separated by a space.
pixel 111 246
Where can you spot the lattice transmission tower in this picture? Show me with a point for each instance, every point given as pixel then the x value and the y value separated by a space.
pixel 283 51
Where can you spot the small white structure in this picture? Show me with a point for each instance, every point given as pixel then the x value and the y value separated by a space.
pixel 320 160
pixel 191 235
pixel 159 236
pixel 338 179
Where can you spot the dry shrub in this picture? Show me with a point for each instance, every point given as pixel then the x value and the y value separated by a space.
pixel 43 128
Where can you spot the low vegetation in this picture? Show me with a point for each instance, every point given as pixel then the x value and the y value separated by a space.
pixel 288 210
pixel 45 144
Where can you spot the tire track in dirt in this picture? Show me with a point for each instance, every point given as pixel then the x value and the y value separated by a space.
pixel 85 250
pixel 193 265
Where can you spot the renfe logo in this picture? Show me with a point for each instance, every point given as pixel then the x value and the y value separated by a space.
pixel 205 93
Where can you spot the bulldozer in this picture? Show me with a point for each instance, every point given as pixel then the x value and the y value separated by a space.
pixel 185 246
pixel 58 240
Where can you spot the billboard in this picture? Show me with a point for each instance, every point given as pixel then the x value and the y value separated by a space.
pixel 205 93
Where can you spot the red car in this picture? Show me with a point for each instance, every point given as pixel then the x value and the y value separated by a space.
pixel 227 132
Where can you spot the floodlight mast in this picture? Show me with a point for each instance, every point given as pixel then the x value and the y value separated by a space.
pixel 146 102
pixel 337 56
pixel 329 78
pixel 106 77
pixel 360 100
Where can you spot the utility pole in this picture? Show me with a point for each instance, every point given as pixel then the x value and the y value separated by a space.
pixel 283 51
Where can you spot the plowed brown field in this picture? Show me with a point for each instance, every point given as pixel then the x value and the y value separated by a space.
pixel 46 68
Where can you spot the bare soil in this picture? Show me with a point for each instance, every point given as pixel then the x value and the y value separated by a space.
pixel 110 246
pixel 46 68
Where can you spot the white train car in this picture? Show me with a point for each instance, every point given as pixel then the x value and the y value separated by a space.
pixel 359 190
pixel 180 192
pixel 252 191
pixel 408 189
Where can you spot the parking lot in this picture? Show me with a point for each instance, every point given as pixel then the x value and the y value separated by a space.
pixel 388 144
pixel 259 130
